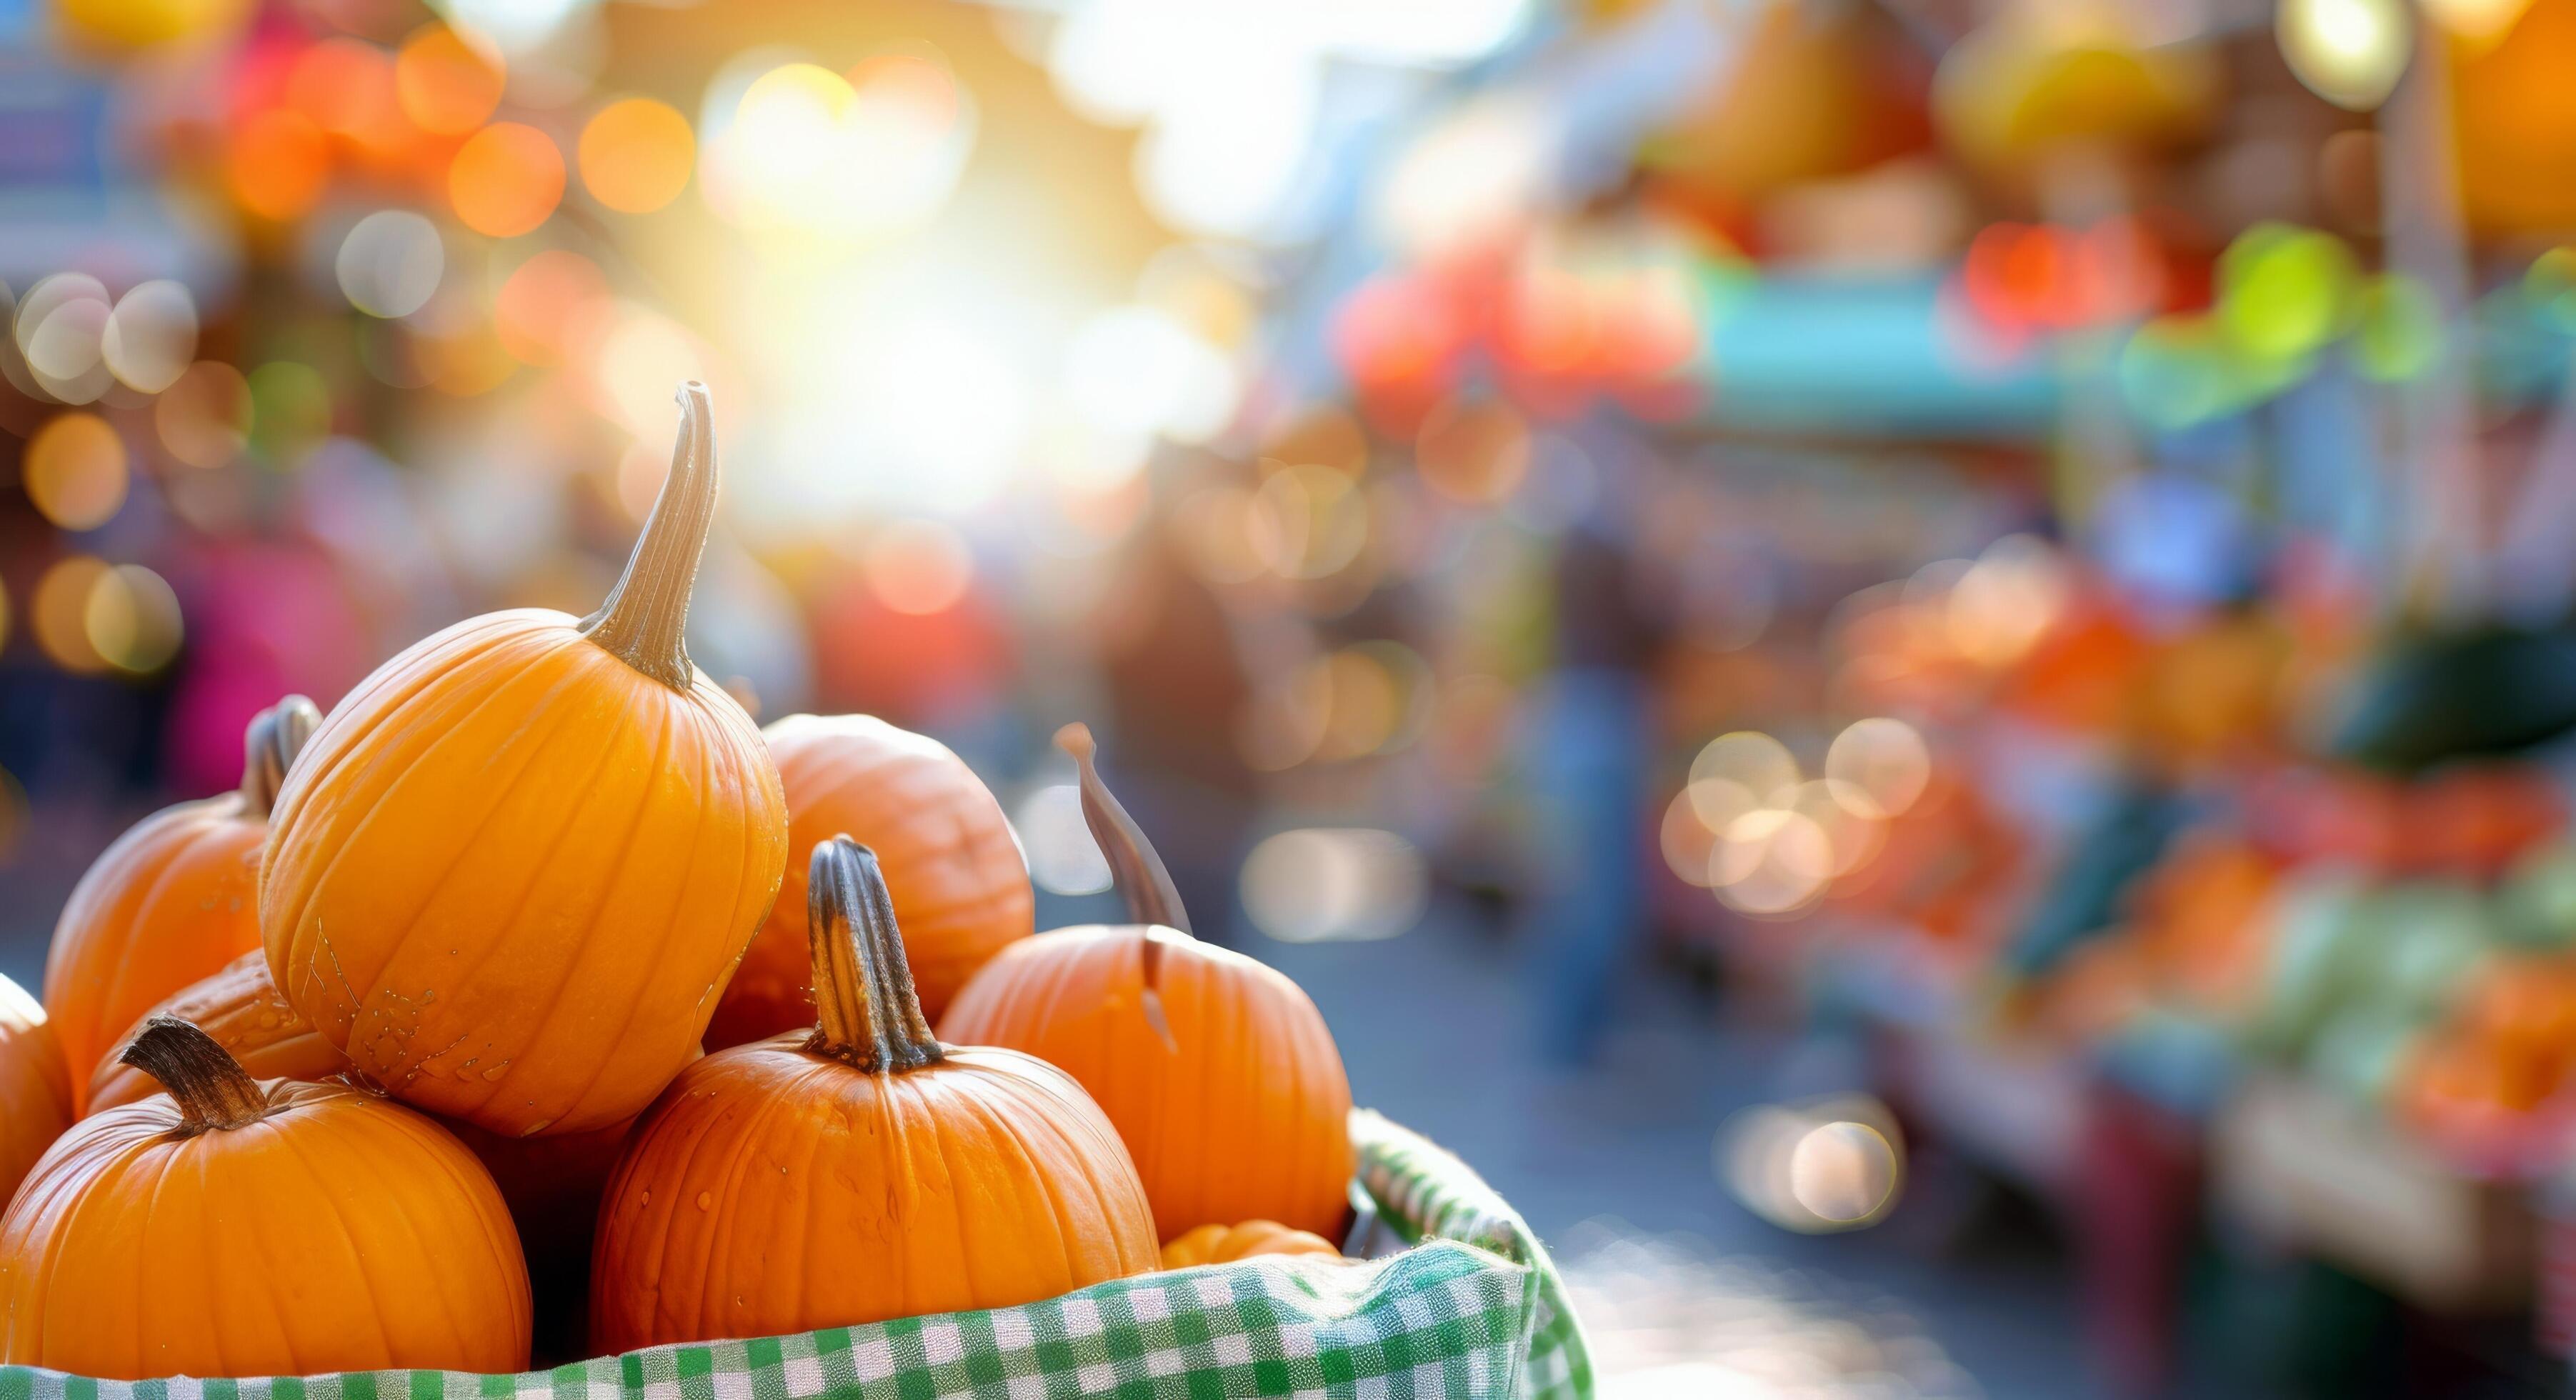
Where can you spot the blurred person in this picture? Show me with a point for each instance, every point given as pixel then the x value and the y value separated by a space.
pixel 1175 686
pixel 1589 762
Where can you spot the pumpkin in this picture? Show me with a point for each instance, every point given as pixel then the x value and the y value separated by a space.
pixel 961 888
pixel 1223 1244
pixel 1219 1072
pixel 518 862
pixel 170 902
pixel 35 1088
pixel 234 1228
pixel 240 1007
pixel 861 1170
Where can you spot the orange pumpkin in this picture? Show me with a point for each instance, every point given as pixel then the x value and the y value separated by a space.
pixel 961 889
pixel 861 1170
pixel 240 1007
pixel 1218 1071
pixel 232 1228
pixel 518 863
pixel 1223 1244
pixel 35 1089
pixel 171 901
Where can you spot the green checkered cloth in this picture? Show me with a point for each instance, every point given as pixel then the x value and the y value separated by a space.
pixel 1473 1309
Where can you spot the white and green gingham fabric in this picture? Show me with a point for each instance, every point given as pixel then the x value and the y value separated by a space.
pixel 1473 1310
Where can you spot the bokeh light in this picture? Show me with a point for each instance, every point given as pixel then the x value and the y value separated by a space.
pixel 390 263
pixel 918 566
pixel 1335 884
pixel 550 305
pixel 1735 771
pixel 636 155
pixel 345 87
pixel 277 164
pixel 505 180
pixel 2349 52
pixel 803 149
pixel 131 618
pixel 1136 370
pixel 1884 759
pixel 1833 1164
pixel 61 331
pixel 58 614
pixel 203 419
pixel 445 83
pixel 151 336
pixel 75 471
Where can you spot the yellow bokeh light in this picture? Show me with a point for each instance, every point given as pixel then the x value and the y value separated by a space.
pixel 505 180
pixel 131 618
pixel 1688 844
pixel 75 471
pixel 445 84
pixel 2349 52
pixel 636 155
pixel 1884 759
pixel 59 613
pixel 1755 764
pixel 918 567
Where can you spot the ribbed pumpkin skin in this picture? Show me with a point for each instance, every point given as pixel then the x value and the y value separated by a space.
pixel 773 1191
pixel 1223 1244
pixel 35 1087
pixel 511 874
pixel 961 887
pixel 240 1007
pixel 340 1233
pixel 173 900
pixel 1244 1117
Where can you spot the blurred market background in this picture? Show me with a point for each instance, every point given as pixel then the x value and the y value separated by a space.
pixel 1904 660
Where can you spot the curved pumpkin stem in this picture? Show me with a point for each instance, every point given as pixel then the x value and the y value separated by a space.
pixel 646 613
pixel 1138 872
pixel 213 1091
pixel 865 1009
pixel 269 748
pixel 1153 901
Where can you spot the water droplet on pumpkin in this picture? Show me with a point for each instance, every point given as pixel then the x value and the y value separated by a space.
pixel 706 1200
pixel 493 1074
pixel 647 1200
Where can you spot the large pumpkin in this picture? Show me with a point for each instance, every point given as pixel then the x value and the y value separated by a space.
pixel 239 1007
pixel 231 1228
pixel 35 1088
pixel 517 864
pixel 1218 1071
pixel 173 899
pixel 961 889
pixel 861 1170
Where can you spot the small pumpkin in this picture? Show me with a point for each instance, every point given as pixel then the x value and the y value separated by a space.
pixel 241 1008
pixel 1218 1070
pixel 960 885
pixel 35 1087
pixel 861 1170
pixel 518 863
pixel 1223 1244
pixel 233 1228
pixel 170 902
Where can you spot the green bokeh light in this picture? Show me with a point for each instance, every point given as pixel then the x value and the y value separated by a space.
pixel 2284 291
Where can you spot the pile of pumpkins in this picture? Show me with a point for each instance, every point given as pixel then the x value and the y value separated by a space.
pixel 535 959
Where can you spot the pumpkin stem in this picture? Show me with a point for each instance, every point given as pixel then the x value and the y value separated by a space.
pixel 213 1091
pixel 269 748
pixel 1133 865
pixel 865 1009
pixel 646 613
